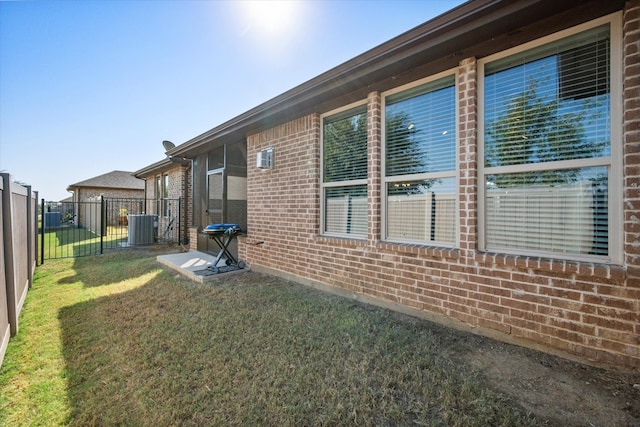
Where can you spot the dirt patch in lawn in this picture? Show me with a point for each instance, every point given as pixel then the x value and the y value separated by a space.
pixel 558 391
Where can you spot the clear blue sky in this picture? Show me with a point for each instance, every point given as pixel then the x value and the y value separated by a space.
pixel 87 87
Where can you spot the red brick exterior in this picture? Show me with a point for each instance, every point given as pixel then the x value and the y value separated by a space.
pixel 631 135
pixel 180 187
pixel 193 239
pixel 587 310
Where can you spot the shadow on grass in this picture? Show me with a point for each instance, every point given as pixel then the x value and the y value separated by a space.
pixel 73 242
pixel 89 243
pixel 113 267
pixel 67 242
pixel 253 350
pixel 70 235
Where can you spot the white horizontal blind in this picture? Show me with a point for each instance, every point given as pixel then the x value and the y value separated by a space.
pixel 547 216
pixel 547 123
pixel 424 216
pixel 420 127
pixel 345 173
pixel 346 210
pixel 420 163
pixel 345 146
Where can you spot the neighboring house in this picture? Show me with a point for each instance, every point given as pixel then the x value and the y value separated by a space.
pixel 115 185
pixel 167 187
pixel 480 170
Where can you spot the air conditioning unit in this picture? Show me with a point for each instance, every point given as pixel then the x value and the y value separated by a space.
pixel 264 159
pixel 142 229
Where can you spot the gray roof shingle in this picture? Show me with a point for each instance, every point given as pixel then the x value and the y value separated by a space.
pixel 114 179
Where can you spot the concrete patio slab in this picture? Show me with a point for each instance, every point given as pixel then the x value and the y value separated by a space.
pixel 195 265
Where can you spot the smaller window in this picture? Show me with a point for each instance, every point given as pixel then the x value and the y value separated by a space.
pixel 165 195
pixel 344 173
pixel 158 194
pixel 420 163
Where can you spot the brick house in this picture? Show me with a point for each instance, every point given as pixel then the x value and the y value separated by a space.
pixel 112 185
pixel 115 184
pixel 479 170
pixel 167 189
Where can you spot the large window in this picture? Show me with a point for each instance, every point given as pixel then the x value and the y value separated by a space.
pixel 344 173
pixel 548 153
pixel 420 163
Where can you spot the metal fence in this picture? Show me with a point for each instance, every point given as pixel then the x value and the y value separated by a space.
pixel 77 229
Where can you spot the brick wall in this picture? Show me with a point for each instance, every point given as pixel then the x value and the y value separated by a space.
pixel 180 187
pixel 587 310
pixel 193 239
pixel 84 194
pixel 283 205
pixel 631 111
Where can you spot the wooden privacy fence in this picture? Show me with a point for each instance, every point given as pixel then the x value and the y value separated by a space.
pixel 18 253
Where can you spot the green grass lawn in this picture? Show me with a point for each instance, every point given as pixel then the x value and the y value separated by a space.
pixel 117 340
pixel 70 242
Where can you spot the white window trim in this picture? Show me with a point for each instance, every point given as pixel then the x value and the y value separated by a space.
pixel 324 185
pixel 615 175
pixel 415 177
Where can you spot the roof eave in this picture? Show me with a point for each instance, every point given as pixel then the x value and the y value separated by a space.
pixel 153 168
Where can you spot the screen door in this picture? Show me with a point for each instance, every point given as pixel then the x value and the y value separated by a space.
pixel 215 204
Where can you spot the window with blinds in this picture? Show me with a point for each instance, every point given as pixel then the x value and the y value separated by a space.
pixel 158 194
pixel 344 173
pixel 165 195
pixel 420 163
pixel 547 148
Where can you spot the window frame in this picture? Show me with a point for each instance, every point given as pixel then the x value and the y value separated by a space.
pixel 158 191
pixel 455 174
pixel 165 195
pixel 347 183
pixel 612 162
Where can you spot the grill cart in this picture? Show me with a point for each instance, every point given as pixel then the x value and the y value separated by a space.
pixel 223 235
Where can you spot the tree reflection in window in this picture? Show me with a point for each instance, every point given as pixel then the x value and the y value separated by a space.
pixel 345 148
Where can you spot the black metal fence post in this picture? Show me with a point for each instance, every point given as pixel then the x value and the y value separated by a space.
pixel 103 225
